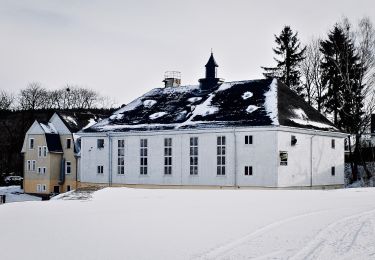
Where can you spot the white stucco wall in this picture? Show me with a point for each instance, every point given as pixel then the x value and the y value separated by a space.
pixel 310 159
pixel 262 155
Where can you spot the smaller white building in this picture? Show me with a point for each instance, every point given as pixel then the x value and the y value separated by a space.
pixel 255 133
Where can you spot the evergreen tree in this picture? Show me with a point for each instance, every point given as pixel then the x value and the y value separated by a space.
pixel 341 75
pixel 288 65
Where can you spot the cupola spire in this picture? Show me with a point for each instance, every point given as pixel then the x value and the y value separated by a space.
pixel 211 80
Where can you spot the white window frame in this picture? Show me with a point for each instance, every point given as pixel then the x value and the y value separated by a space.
pixel 193 155
pixel 121 156
pixel 100 169
pixel 33 165
pixel 39 170
pixel 45 151
pixel 221 155
pixel 31 147
pixel 168 156
pixel 143 167
pixel 44 170
pixel 40 153
pixel 28 166
pixel 68 141
pixel 39 188
pixel 248 139
pixel 68 167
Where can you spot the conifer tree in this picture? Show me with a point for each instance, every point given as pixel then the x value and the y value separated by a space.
pixel 288 65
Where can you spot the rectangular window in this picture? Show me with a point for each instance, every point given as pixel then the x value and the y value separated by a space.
pixel 168 156
pixel 193 155
pixel 44 170
pixel 221 155
pixel 28 165
pixel 45 151
pixel 100 143
pixel 248 139
pixel 39 170
pixel 39 188
pixel 283 158
pixel 31 143
pixel 120 157
pixel 44 187
pixel 33 165
pixel 39 151
pixel 68 143
pixel 100 169
pixel 333 143
pixel 248 170
pixel 68 167
pixel 143 157
pixel 333 171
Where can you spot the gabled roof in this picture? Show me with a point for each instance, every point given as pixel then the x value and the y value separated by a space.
pixel 53 143
pixel 264 102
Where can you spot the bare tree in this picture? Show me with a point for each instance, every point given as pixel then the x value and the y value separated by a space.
pixel 6 100
pixel 33 97
pixel 312 75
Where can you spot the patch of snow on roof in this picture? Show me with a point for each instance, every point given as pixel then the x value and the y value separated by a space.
pixel 48 129
pixel 70 119
pixel 91 123
pixel 194 99
pixel 149 103
pixel 205 108
pixel 116 116
pixel 247 95
pixel 251 109
pixel 226 85
pixel 312 123
pixel 157 115
pixel 300 113
pixel 271 103
pixel 131 106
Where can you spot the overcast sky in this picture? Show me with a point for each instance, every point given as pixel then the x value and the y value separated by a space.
pixel 122 48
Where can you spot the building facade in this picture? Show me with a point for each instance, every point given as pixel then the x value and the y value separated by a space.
pixel 255 133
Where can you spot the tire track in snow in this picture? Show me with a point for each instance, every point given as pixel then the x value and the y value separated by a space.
pixel 221 250
pixel 326 240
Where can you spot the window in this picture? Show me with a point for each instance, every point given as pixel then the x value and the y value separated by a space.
pixel 28 165
pixel 45 151
pixel 33 165
pixel 143 157
pixel 248 170
pixel 283 158
pixel 68 143
pixel 293 140
pixel 41 187
pixel 220 155
pixel 333 143
pixel 39 151
pixel 248 139
pixel 193 155
pixel 68 167
pixel 100 169
pixel 39 170
pixel 120 157
pixel 31 143
pixel 100 143
pixel 168 156
pixel 44 171
pixel 333 171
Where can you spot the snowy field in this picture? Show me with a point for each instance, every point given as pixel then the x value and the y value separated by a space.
pixel 15 194
pixel 122 223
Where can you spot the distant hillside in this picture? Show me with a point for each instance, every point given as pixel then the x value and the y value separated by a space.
pixel 14 124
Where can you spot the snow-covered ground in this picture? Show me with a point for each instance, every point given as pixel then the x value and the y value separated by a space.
pixel 15 194
pixel 122 223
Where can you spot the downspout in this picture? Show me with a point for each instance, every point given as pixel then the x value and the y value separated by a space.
pixel 311 160
pixel 110 160
pixel 235 157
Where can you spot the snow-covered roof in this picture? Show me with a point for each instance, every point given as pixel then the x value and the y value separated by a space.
pixel 263 102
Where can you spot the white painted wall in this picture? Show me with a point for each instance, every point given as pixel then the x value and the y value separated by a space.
pixel 262 155
pixel 313 150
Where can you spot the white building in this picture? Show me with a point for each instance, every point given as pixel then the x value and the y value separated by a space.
pixel 246 133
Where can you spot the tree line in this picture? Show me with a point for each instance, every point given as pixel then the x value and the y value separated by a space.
pixel 34 97
pixel 334 74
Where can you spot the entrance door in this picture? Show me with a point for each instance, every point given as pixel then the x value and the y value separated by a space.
pixel 56 189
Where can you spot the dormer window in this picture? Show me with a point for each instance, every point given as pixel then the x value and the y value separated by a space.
pixel 31 143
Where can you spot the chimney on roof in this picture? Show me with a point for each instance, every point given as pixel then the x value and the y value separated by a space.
pixel 211 79
pixel 172 79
